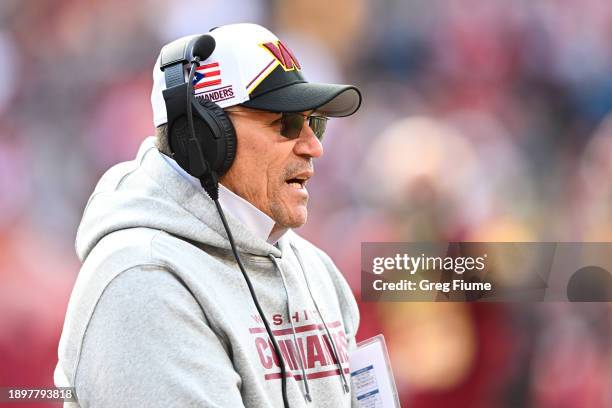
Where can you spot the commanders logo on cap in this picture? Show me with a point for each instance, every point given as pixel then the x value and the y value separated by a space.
pixel 283 55
pixel 282 68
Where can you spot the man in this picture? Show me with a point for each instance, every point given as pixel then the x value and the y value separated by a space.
pixel 160 314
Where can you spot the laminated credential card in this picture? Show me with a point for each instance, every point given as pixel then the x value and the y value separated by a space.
pixel 371 376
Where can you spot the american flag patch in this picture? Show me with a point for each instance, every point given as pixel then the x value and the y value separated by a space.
pixel 207 75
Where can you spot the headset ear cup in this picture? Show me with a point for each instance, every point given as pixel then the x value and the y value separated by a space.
pixel 227 139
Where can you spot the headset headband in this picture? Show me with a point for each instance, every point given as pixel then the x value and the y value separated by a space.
pixel 172 58
pixel 174 55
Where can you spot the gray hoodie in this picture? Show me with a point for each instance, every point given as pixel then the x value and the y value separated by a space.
pixel 160 315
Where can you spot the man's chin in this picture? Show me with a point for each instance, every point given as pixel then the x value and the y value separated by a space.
pixel 292 218
pixel 298 221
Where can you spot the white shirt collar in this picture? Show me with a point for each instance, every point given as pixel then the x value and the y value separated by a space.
pixel 250 216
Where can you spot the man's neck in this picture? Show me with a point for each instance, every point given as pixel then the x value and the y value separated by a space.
pixel 253 219
pixel 250 216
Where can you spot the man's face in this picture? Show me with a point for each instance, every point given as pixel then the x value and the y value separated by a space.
pixel 271 171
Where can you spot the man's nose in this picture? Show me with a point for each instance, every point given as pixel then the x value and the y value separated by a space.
pixel 308 144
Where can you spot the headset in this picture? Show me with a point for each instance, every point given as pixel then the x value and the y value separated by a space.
pixel 202 137
pixel 203 141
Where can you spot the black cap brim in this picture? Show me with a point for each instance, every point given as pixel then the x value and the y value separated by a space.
pixel 327 99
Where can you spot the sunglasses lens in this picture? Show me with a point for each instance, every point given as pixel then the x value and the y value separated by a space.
pixel 318 124
pixel 292 124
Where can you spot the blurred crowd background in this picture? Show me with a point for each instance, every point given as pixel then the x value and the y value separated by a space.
pixel 482 120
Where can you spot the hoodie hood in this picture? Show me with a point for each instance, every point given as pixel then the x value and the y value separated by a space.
pixel 148 192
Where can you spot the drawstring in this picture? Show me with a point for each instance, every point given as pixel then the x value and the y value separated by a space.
pixel 331 339
pixel 306 388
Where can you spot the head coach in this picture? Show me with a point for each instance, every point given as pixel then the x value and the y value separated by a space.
pixel 194 290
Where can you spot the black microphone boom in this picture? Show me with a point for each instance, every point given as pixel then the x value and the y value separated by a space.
pixel 203 47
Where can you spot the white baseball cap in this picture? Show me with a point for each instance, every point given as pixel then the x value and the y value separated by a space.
pixel 252 67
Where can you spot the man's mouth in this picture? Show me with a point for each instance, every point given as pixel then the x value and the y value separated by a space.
pixel 299 181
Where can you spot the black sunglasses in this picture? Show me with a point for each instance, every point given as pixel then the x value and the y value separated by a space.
pixel 292 124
